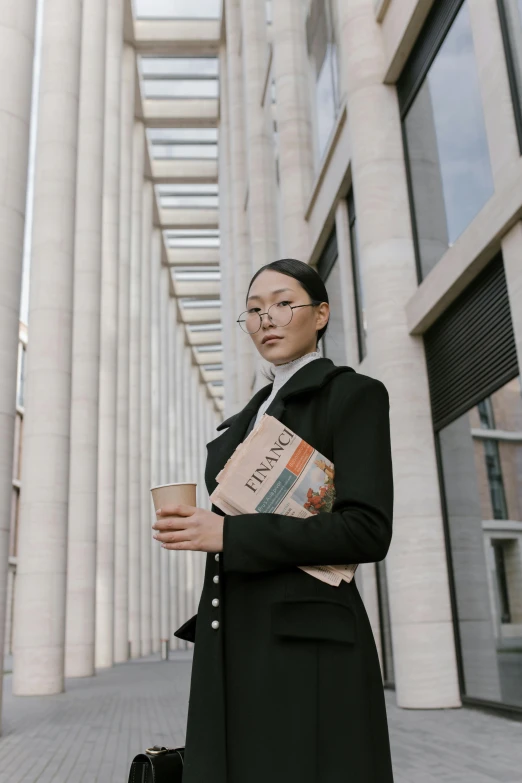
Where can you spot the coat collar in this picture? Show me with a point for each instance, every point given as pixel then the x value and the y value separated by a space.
pixel 307 378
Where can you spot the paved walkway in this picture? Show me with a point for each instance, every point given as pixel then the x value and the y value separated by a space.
pixel 91 732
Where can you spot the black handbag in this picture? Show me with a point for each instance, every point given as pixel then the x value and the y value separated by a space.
pixel 157 765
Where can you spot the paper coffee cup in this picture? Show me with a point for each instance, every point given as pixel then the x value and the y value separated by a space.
pixel 172 494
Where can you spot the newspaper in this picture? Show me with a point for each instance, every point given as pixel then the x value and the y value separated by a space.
pixel 275 471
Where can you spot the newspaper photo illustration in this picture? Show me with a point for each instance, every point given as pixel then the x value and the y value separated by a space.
pixel 275 471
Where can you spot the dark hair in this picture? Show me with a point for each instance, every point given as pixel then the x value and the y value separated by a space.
pixel 306 276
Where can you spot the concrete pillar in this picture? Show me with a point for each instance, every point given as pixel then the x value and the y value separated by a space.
pixel 39 614
pixel 291 73
pixel 502 137
pixel 16 57
pixel 146 424
pixel 174 426
pixel 259 141
pixel 121 518
pixel 424 647
pixel 83 476
pixel 104 647
pixel 178 398
pixel 228 299
pixel 178 475
pixel 173 420
pixel 242 264
pixel 156 426
pixel 135 509
pixel 187 476
pixel 165 391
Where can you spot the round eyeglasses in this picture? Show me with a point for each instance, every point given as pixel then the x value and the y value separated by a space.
pixel 279 314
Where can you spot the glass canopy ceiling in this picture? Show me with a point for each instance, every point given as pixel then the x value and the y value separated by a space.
pixel 188 79
pixel 177 9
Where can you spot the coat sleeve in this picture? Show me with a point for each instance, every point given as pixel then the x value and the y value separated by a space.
pixel 358 529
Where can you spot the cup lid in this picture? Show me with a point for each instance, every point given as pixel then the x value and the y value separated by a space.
pixel 175 484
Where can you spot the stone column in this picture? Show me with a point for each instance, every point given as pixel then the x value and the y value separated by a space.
pixel 228 298
pixel 39 612
pixel 259 143
pixel 135 510
pixel 502 136
pixel 83 477
pixel 294 126
pixel 156 426
pixel 121 517
pixel 242 264
pixel 187 476
pixel 16 57
pixel 424 647
pixel 174 425
pixel 178 398
pixel 145 425
pixel 178 475
pixel 104 648
pixel 164 553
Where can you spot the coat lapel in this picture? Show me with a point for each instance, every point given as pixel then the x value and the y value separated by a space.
pixel 308 378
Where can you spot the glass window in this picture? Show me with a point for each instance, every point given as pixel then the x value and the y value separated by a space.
pixel 334 344
pixel 322 51
pixel 511 21
pixel 20 397
pixel 447 151
pixel 177 9
pixel 191 238
pixel 481 458
pixel 360 312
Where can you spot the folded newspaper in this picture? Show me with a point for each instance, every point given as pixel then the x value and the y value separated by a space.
pixel 275 471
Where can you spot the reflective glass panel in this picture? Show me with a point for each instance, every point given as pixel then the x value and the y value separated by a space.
pixel 481 455
pixel 187 238
pixel 181 88
pixel 322 51
pixel 177 9
pixel 447 149
pixel 334 343
pixel 179 66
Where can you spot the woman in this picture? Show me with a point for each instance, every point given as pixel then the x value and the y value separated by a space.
pixel 286 685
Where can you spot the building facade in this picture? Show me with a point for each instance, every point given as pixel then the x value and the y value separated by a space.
pixel 177 150
pixel 381 143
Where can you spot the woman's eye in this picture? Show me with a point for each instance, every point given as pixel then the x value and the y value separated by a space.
pixel 283 303
pixel 253 310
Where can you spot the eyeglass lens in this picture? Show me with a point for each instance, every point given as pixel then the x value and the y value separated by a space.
pixel 279 314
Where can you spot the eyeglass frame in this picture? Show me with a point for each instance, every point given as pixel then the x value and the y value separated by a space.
pixel 292 308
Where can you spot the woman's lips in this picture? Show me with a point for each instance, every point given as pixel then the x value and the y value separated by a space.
pixel 272 339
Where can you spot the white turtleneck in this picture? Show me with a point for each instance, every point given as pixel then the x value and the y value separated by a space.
pixel 282 373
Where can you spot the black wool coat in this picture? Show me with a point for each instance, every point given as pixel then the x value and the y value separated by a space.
pixel 288 688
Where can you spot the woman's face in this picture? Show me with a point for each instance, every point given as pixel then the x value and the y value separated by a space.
pixel 299 336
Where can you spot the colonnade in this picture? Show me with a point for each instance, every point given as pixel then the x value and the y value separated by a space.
pixel 114 400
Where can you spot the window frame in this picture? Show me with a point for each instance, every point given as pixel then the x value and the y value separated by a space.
pixel 515 88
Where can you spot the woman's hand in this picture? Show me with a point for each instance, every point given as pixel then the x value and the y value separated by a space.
pixel 189 527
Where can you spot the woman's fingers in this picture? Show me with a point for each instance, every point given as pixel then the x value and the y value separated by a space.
pixel 174 537
pixel 180 510
pixel 177 518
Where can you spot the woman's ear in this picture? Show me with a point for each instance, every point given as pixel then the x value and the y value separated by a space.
pixel 322 314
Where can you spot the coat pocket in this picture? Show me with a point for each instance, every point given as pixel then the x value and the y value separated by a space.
pixel 309 618
pixel 187 631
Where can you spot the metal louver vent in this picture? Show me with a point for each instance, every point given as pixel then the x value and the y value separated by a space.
pixel 471 350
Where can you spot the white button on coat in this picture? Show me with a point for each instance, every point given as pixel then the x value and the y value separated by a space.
pixel 216 579
pixel 215 624
pixel 216 556
pixel 215 602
